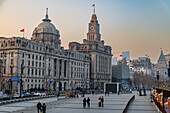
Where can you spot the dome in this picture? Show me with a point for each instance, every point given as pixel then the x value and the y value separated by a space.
pixel 45 29
pixel 94 17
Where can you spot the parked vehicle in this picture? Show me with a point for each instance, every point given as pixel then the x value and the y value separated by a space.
pixel 37 94
pixel 4 97
pixel 27 94
pixel 43 94
pixel 17 95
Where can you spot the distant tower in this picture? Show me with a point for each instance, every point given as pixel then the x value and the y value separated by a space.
pixel 93 31
pixel 162 65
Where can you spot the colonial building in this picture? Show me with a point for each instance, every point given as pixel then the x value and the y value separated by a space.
pixel 162 67
pixel 45 62
pixel 100 54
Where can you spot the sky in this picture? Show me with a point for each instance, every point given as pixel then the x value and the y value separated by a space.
pixel 139 26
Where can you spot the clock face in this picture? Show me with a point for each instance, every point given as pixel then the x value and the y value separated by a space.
pixel 91 28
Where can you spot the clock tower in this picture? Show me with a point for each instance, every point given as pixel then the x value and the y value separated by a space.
pixel 93 31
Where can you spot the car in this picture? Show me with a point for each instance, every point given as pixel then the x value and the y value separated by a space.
pixel 17 95
pixel 27 94
pixel 5 97
pixel 43 94
pixel 37 94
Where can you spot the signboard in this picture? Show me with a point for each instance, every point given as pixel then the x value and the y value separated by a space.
pixel 7 79
pixel 15 79
pixel 49 81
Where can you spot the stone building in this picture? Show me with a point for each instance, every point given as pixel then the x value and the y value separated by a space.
pixel 162 67
pixel 45 62
pixel 101 56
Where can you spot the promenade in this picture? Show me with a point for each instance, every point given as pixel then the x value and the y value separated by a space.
pixel 142 104
pixel 112 104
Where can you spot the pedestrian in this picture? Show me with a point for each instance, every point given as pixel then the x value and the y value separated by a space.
pixel 44 108
pixel 77 95
pixel 102 100
pixel 39 106
pixel 105 93
pixel 84 102
pixel 99 101
pixel 108 93
pixel 88 102
pixel 118 93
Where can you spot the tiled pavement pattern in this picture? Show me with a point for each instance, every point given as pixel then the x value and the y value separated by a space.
pixel 113 104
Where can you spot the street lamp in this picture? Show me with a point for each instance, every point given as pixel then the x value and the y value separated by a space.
pixel 22 69
pixel 169 74
pixel 11 79
pixel 157 77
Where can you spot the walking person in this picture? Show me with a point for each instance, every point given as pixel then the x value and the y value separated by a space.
pixel 39 106
pixel 44 108
pixel 88 102
pixel 99 101
pixel 105 93
pixel 102 100
pixel 118 93
pixel 84 102
pixel 108 93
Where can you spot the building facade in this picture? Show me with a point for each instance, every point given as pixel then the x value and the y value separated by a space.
pixel 101 56
pixel 162 67
pixel 46 64
pixel 121 73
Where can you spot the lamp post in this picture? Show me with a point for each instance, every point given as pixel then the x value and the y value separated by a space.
pixel 169 74
pixel 22 69
pixel 157 78
pixel 11 79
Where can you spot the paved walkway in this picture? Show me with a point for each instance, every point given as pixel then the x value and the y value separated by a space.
pixel 142 104
pixel 112 104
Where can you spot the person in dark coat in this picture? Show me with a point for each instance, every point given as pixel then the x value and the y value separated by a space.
pixel 99 101
pixel 44 108
pixel 102 100
pixel 108 93
pixel 39 106
pixel 84 102
pixel 88 102
pixel 105 93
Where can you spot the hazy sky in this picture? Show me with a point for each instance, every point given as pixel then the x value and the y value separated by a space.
pixel 140 26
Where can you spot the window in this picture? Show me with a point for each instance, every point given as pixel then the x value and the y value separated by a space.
pixel 32 63
pixel 32 56
pixel 39 72
pixel 11 70
pixel 29 63
pixel 36 57
pixel 22 55
pixel 32 71
pixel 4 61
pixel 11 61
pixel 40 57
pixel 28 55
pixel 28 71
pixel 1 54
pixel 39 64
pixel 23 62
pixel 5 54
pixel 36 64
pixel 4 70
pixel 11 54
pixel 35 71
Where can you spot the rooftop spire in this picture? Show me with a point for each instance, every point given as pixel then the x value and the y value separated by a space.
pixel 46 16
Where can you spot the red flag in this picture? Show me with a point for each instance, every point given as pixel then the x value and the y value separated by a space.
pixel 155 67
pixel 93 5
pixel 22 30
pixel 48 38
pixel 144 68
pixel 136 67
pixel 160 48
pixel 85 48
pixel 146 55
pixel 120 55
pixel 70 44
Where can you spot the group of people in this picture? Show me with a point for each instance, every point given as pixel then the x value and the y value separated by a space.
pixel 86 100
pixel 41 108
pixel 101 101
